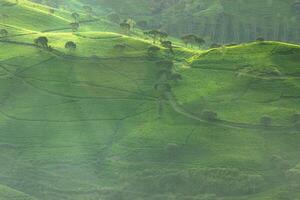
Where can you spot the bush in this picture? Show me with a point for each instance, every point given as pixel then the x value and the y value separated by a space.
pixel 119 47
pixel 295 118
pixel 231 45
pixel 260 39
pixel 266 120
pixel 153 50
pixel 215 45
pixel 172 150
pixel 209 115
pixel 70 45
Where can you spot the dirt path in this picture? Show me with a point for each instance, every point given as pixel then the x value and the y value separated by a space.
pixel 219 122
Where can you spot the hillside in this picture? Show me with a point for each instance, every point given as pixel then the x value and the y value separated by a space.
pixel 110 120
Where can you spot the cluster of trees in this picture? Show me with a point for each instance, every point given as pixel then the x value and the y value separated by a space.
pixel 224 22
pixel 192 39
pixel 165 77
pixel 43 42
pixel 75 24
pixel 127 25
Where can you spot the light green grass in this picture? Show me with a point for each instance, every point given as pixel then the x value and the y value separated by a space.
pixel 85 124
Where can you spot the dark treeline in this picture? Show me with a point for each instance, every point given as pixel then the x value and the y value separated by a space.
pixel 218 21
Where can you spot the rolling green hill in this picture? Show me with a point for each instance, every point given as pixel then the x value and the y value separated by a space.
pixel 111 121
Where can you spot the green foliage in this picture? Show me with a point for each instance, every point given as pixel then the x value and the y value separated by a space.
pixel 70 45
pixel 84 125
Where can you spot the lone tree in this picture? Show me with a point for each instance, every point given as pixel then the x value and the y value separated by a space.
pixel 75 16
pixel 74 26
pixel 209 115
pixel 168 45
pixel 3 33
pixel 200 41
pixel 51 11
pixel 154 34
pixel 131 22
pixel 42 42
pixel 260 39
pixel 70 46
pixel 119 47
pixel 125 27
pixel 162 36
pixel 189 39
pixel 266 120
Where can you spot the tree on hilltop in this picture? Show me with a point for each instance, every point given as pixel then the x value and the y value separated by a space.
pixel 70 45
pixel 74 26
pixel 125 27
pixel 200 41
pixel 41 42
pixel 189 39
pixel 75 16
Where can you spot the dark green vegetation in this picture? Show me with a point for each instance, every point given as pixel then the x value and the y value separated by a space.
pixel 87 112
pixel 219 21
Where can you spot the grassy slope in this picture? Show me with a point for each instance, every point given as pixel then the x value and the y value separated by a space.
pixel 87 127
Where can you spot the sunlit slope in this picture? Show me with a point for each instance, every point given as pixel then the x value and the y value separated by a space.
pixel 256 79
pixel 28 18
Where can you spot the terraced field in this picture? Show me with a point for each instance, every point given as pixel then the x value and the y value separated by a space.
pixel 100 123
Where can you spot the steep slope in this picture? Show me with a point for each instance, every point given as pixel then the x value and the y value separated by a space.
pixel 100 122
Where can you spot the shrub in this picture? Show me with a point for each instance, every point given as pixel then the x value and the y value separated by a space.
pixel 119 47
pixel 153 50
pixel 209 115
pixel 70 45
pixel 266 120
pixel 295 118
pixel 260 39
pixel 172 150
pixel 215 45
pixel 231 45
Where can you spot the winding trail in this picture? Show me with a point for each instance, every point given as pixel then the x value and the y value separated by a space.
pixel 219 122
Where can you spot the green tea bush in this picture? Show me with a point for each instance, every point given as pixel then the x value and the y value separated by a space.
pixel 209 115
pixel 266 120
